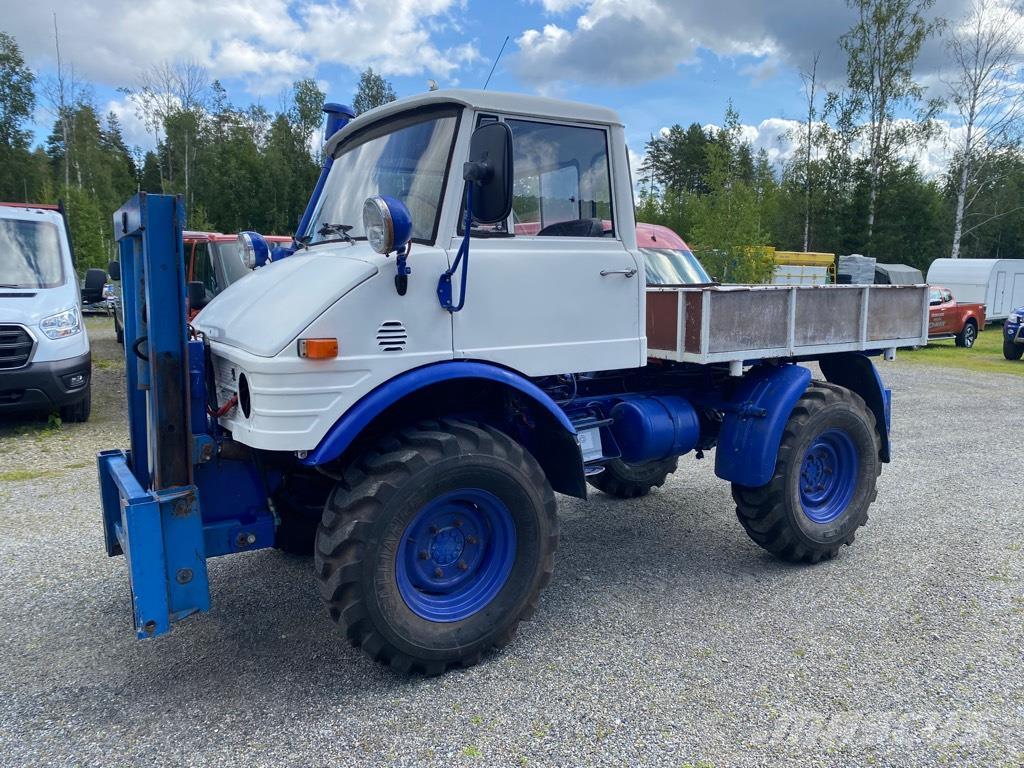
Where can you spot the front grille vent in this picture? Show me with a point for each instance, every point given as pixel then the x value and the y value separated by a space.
pixel 15 346
pixel 391 336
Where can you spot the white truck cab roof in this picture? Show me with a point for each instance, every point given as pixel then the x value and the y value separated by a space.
pixel 497 101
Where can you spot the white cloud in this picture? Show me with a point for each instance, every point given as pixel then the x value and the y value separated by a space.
pixel 631 41
pixel 133 128
pixel 266 42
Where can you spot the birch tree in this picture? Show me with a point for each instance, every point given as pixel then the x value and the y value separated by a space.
pixel 882 48
pixel 986 91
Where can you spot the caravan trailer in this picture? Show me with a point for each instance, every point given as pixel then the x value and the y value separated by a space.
pixel 996 283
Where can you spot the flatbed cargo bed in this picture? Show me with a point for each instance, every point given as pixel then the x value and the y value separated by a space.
pixel 736 323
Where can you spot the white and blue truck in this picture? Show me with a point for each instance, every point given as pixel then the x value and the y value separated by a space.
pixel 461 330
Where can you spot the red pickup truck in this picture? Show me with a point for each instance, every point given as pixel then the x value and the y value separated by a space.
pixel 948 318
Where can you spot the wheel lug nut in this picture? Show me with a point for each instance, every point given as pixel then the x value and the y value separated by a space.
pixel 424 555
pixel 462 565
pixel 438 573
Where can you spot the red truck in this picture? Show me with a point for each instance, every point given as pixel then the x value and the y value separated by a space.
pixel 948 318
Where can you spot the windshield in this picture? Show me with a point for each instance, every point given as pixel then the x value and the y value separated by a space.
pixel 30 255
pixel 230 254
pixel 673 266
pixel 408 162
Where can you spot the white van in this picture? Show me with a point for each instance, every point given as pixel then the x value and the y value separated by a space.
pixel 45 363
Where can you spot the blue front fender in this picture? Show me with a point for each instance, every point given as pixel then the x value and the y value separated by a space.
pixel 372 405
pixel 748 441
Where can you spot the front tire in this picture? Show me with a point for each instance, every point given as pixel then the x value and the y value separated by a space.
pixel 1012 351
pixel 79 411
pixel 824 479
pixel 968 335
pixel 631 481
pixel 434 546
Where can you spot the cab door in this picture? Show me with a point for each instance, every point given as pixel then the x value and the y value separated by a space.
pixel 554 289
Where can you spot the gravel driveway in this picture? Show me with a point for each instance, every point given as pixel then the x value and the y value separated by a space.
pixel 665 638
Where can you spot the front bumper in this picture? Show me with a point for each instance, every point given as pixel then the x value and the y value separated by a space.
pixel 1014 332
pixel 45 385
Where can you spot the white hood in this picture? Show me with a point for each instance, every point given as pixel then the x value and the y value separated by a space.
pixel 264 312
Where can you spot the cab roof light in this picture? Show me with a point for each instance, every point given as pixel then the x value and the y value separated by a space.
pixel 318 349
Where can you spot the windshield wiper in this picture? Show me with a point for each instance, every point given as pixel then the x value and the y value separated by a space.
pixel 341 230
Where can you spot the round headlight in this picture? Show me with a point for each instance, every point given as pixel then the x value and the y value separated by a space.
pixel 255 251
pixel 387 223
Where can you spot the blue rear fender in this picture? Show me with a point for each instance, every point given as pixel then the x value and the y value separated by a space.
pixel 757 413
pixel 755 417
pixel 540 425
pixel 857 373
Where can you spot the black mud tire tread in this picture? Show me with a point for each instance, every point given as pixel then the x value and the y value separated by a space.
pixel 961 338
pixel 360 498
pixel 631 481
pixel 1012 351
pixel 78 412
pixel 762 511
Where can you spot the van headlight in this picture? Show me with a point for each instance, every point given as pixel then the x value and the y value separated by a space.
pixel 62 324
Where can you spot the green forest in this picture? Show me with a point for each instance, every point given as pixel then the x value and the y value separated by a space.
pixel 849 186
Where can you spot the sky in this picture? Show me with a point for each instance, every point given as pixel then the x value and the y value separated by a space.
pixel 657 62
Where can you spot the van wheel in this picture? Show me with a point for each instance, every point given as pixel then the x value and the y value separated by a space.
pixel 435 545
pixel 118 329
pixel 78 412
pixel 1012 351
pixel 968 335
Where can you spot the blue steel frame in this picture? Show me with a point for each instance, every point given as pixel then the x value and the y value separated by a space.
pixel 171 501
pixel 150 507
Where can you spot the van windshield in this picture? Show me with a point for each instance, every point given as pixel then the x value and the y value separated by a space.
pixel 30 255
pixel 406 160
pixel 673 266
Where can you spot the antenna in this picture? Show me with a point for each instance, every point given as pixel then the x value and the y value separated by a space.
pixel 496 58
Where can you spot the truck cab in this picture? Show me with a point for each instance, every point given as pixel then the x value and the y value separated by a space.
pixel 45 361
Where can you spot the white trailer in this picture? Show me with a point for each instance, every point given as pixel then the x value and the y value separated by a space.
pixel 996 283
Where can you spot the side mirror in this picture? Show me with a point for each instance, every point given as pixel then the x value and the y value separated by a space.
pixel 490 170
pixel 114 270
pixel 196 295
pixel 92 289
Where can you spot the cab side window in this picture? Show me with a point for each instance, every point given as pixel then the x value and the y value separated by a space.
pixel 946 297
pixel 562 185
pixel 202 269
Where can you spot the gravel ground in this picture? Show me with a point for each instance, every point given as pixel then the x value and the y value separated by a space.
pixel 665 638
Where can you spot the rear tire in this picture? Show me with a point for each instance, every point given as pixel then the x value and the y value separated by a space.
pixel 631 481
pixel 78 412
pixel 1012 351
pixel 118 329
pixel 968 335
pixel 434 546
pixel 824 479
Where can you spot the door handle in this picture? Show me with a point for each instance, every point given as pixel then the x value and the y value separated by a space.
pixel 625 272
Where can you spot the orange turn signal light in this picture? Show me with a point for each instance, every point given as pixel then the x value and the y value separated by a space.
pixel 318 349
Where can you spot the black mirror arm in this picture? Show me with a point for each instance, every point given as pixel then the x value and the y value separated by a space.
pixel 444 284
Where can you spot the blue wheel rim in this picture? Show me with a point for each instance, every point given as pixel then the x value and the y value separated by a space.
pixel 456 555
pixel 828 476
